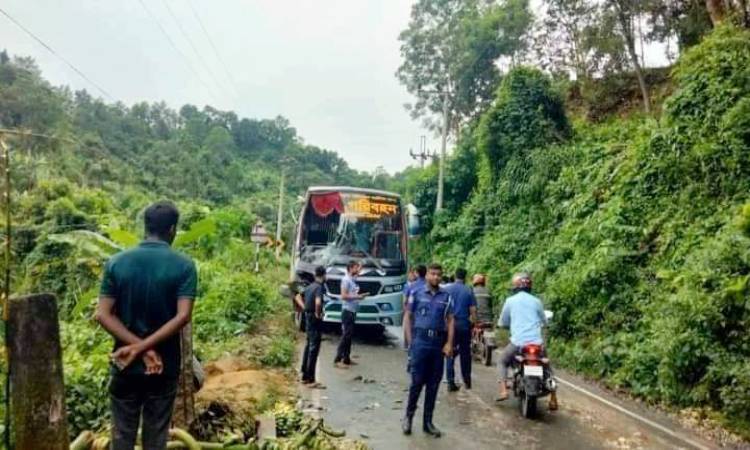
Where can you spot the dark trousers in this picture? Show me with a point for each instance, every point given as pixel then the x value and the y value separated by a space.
pixel 426 372
pixel 148 396
pixel 343 354
pixel 463 350
pixel 312 347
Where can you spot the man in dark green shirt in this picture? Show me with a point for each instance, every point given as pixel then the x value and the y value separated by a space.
pixel 146 298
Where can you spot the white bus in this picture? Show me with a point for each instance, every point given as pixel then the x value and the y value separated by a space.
pixel 340 224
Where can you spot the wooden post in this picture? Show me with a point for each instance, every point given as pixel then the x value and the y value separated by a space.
pixel 36 376
pixel 184 406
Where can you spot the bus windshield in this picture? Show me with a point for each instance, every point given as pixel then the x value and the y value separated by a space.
pixel 340 226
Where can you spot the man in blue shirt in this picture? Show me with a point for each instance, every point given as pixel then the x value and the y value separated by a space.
pixel 350 298
pixel 418 283
pixel 429 334
pixel 523 314
pixel 465 315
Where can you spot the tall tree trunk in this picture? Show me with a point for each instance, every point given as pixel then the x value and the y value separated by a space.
pixel 716 10
pixel 627 33
pixel 744 13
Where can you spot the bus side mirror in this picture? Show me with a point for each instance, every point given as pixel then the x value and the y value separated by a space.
pixel 413 222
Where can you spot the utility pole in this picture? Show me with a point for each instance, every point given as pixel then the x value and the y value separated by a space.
pixel 423 154
pixel 441 175
pixel 280 215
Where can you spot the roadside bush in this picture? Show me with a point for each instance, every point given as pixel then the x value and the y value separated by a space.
pixel 527 113
pixel 280 353
pixel 231 303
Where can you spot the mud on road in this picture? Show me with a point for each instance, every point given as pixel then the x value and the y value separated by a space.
pixel 368 401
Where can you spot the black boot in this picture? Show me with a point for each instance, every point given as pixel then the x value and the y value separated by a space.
pixel 467 385
pixel 431 429
pixel 453 387
pixel 406 424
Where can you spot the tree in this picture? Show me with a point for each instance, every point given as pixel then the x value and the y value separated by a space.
pixel 688 20
pixel 527 113
pixel 454 45
pixel 626 13
pixel 565 40
pixel 719 10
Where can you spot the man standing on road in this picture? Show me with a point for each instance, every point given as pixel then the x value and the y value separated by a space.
pixel 430 311
pixel 465 315
pixel 420 272
pixel 350 298
pixel 485 307
pixel 312 305
pixel 146 298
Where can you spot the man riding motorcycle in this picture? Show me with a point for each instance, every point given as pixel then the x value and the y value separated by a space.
pixel 523 314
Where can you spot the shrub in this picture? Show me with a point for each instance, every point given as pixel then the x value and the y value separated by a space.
pixel 280 353
pixel 231 303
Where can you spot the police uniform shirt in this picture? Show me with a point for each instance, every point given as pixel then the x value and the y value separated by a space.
pixel 430 310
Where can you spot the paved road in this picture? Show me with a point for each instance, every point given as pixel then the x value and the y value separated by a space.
pixel 368 401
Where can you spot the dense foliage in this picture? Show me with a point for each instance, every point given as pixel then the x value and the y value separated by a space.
pixel 79 195
pixel 636 230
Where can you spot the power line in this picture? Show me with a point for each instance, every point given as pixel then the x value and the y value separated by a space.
pixel 68 63
pixel 192 45
pixel 213 46
pixel 177 49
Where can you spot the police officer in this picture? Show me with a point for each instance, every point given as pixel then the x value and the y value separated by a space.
pixel 465 313
pixel 431 337
pixel 416 284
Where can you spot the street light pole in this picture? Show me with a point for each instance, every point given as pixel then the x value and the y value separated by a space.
pixel 441 175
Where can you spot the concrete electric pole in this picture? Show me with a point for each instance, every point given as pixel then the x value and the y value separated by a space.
pixel 423 153
pixel 446 116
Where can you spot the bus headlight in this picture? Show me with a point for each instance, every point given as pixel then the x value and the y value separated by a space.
pixel 385 306
pixel 391 288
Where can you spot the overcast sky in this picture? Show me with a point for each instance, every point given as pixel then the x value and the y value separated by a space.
pixel 328 66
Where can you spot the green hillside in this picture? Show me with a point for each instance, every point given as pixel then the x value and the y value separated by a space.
pixel 635 229
pixel 85 171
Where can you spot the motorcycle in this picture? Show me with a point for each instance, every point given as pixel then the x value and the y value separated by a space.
pixel 483 342
pixel 532 377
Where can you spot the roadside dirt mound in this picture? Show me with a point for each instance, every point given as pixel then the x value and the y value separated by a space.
pixel 226 365
pixel 234 382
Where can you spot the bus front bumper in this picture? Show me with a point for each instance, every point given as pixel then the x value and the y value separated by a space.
pixel 383 310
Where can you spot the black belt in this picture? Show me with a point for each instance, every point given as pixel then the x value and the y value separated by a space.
pixel 430 333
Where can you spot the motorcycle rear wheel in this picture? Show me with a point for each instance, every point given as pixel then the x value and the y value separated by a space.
pixel 487 355
pixel 527 405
